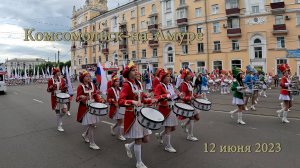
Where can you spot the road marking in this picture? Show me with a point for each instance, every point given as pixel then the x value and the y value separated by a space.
pixel 38 100
pixel 108 123
pixel 254 128
pixel 298 134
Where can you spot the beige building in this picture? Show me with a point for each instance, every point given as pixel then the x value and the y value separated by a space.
pixel 263 33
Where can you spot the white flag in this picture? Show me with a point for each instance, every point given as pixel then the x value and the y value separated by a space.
pixel 70 88
pixel 25 73
pixel 38 72
pixel 44 76
pixel 103 86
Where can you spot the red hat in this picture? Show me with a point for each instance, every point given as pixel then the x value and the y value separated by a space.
pixel 55 71
pixel 114 78
pixel 82 75
pixel 184 73
pixel 163 74
pixel 127 69
pixel 158 71
pixel 284 67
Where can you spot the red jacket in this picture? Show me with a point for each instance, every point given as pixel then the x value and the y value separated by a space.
pixel 111 99
pixel 155 83
pixel 62 88
pixel 187 95
pixel 125 100
pixel 161 94
pixel 284 89
pixel 83 109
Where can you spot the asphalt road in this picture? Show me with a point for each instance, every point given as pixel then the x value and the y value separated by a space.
pixel 28 137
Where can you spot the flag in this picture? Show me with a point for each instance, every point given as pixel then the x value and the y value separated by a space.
pixel 38 72
pixel 16 74
pixel 101 74
pixel 70 88
pixel 63 70
pixel 25 73
pixel 44 76
pixel 48 71
pixel 150 70
pixel 70 71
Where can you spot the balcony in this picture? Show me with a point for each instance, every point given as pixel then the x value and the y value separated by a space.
pixel 153 27
pixel 280 29
pixel 233 12
pixel 123 23
pixel 105 51
pixel 277 7
pixel 123 47
pixel 182 21
pixel 153 14
pixel 153 43
pixel 234 32
pixel 182 6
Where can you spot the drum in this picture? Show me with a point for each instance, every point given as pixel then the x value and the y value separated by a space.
pixel 294 92
pixel 210 81
pixel 98 109
pixel 122 110
pixel 202 104
pixel 62 98
pixel 184 110
pixel 150 118
pixel 218 80
pixel 226 80
pixel 257 87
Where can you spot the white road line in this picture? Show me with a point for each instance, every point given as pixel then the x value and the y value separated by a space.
pixel 298 134
pixel 108 123
pixel 38 100
pixel 254 115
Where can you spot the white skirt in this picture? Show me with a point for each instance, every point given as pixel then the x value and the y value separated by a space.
pixel 264 86
pixel 284 97
pixel 237 101
pixel 204 88
pixel 90 119
pixel 171 120
pixel 118 116
pixel 137 131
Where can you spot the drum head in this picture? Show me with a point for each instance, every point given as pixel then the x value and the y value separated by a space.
pixel 152 114
pixel 185 106
pixel 203 101
pixel 63 95
pixel 98 105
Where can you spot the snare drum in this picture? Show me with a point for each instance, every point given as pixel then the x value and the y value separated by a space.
pixel 230 81
pixel 202 104
pixel 98 109
pixel 150 118
pixel 210 81
pixel 62 98
pixel 218 80
pixel 184 110
pixel 226 80
pixel 294 92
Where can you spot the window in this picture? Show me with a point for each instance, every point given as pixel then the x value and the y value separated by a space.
pixel 133 54
pixel 132 14
pixel 185 64
pixel 143 11
pixel 200 47
pixel 181 14
pixel 152 20
pixel 200 66
pixel 235 45
pixel 297 1
pixel 79 61
pixel 125 56
pixel 197 12
pixel 182 2
pixel 255 8
pixel 298 17
pixel 299 41
pixel 230 4
pixel 74 62
pixel 217 46
pixel 85 50
pixel 168 5
pixel 233 23
pixel 143 24
pixel 258 52
pixel 170 54
pixel 155 67
pixel 133 27
pixel 154 52
pixel 144 53
pixel 115 22
pixel 94 49
pixel 99 48
pixel 281 61
pixel 216 27
pixel 279 20
pixel 154 10
pixel 123 17
pixel 99 59
pixel 106 58
pixel 236 63
pixel 215 9
pixel 169 22
pixel 85 60
pixel 257 41
pixel 199 29
pixel 218 65
pixel 280 42
pixel 185 49
pixel 183 29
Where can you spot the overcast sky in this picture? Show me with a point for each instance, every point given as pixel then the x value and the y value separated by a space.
pixel 43 15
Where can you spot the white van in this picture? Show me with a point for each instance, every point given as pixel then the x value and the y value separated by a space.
pixel 2 82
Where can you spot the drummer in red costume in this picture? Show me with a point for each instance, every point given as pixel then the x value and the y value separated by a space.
pixel 187 95
pixel 156 79
pixel 132 97
pixel 87 93
pixel 165 94
pixel 285 96
pixel 56 85
pixel 115 111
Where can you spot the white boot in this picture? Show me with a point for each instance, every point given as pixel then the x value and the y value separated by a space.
pixel 240 118
pixel 232 112
pixel 279 112
pixel 246 108
pixel 284 118
pixel 253 108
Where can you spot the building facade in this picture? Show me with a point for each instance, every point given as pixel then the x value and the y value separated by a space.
pixel 235 33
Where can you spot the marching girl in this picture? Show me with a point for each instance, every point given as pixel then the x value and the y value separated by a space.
pixel 115 112
pixel 285 96
pixel 156 79
pixel 248 80
pixel 204 85
pixel 212 82
pixel 264 84
pixel 132 97
pixel 187 95
pixel 87 93
pixel 223 83
pixel 255 90
pixel 166 95
pixel 56 85
pixel 238 98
